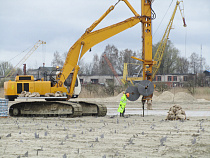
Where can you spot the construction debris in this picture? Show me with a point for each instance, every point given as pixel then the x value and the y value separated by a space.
pixel 49 95
pixel 36 94
pixel 22 94
pixel 176 113
pixel 29 94
pixel 58 94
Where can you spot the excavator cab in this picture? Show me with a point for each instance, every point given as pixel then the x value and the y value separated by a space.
pixel 77 88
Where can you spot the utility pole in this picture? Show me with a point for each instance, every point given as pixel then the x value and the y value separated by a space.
pixel 201 64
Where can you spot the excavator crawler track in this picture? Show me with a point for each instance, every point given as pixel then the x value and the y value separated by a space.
pixel 56 109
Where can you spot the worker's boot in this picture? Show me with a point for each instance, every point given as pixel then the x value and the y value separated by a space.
pixel 123 113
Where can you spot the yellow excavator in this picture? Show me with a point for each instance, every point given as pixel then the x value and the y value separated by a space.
pixel 75 53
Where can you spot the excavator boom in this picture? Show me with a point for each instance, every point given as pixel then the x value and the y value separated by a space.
pixel 89 39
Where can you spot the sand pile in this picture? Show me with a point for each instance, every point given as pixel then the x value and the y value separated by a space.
pixel 179 97
pixel 154 97
pixel 165 97
pixel 115 98
pixel 182 96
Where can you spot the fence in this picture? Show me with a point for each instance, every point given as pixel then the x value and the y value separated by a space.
pixel 3 107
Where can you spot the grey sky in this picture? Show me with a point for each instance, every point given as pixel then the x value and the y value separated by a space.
pixel 61 22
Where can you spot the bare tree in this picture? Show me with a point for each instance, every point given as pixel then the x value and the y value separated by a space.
pixel 96 63
pixel 5 68
pixel 182 65
pixel 194 63
pixel 117 59
pixel 112 54
pixel 87 68
pixel 169 60
pixel 57 60
pixel 132 67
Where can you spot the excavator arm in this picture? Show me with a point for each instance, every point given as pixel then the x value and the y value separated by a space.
pixel 89 39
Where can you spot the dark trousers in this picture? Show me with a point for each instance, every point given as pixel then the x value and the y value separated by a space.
pixel 122 114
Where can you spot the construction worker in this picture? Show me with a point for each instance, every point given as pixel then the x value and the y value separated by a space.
pixel 122 105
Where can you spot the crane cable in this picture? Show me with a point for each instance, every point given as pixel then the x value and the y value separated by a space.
pixel 18 54
pixel 162 19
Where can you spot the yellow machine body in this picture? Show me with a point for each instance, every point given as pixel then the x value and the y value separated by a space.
pixel 26 83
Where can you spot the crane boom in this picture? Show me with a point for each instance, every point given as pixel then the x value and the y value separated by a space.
pixel 160 51
pixel 25 57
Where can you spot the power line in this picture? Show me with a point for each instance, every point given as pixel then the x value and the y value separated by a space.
pixel 162 19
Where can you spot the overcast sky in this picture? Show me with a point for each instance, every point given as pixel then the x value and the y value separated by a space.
pixel 61 22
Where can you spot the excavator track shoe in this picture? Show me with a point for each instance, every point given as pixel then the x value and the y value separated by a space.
pixel 56 109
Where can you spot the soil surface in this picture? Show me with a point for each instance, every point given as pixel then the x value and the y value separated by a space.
pixel 113 136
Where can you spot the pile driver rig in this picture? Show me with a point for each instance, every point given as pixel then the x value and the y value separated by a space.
pixel 75 53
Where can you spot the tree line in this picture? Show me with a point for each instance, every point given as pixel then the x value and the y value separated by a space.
pixel 172 62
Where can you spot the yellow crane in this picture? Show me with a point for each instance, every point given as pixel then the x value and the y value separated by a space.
pixel 150 65
pixel 25 57
pixel 160 51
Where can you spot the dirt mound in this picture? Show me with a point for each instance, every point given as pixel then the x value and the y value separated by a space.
pixel 113 99
pixel 182 96
pixel 178 97
pixel 118 97
pixel 165 97
pixel 154 97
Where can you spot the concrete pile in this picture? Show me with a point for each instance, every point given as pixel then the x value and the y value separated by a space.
pixel 176 113
pixel 29 94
